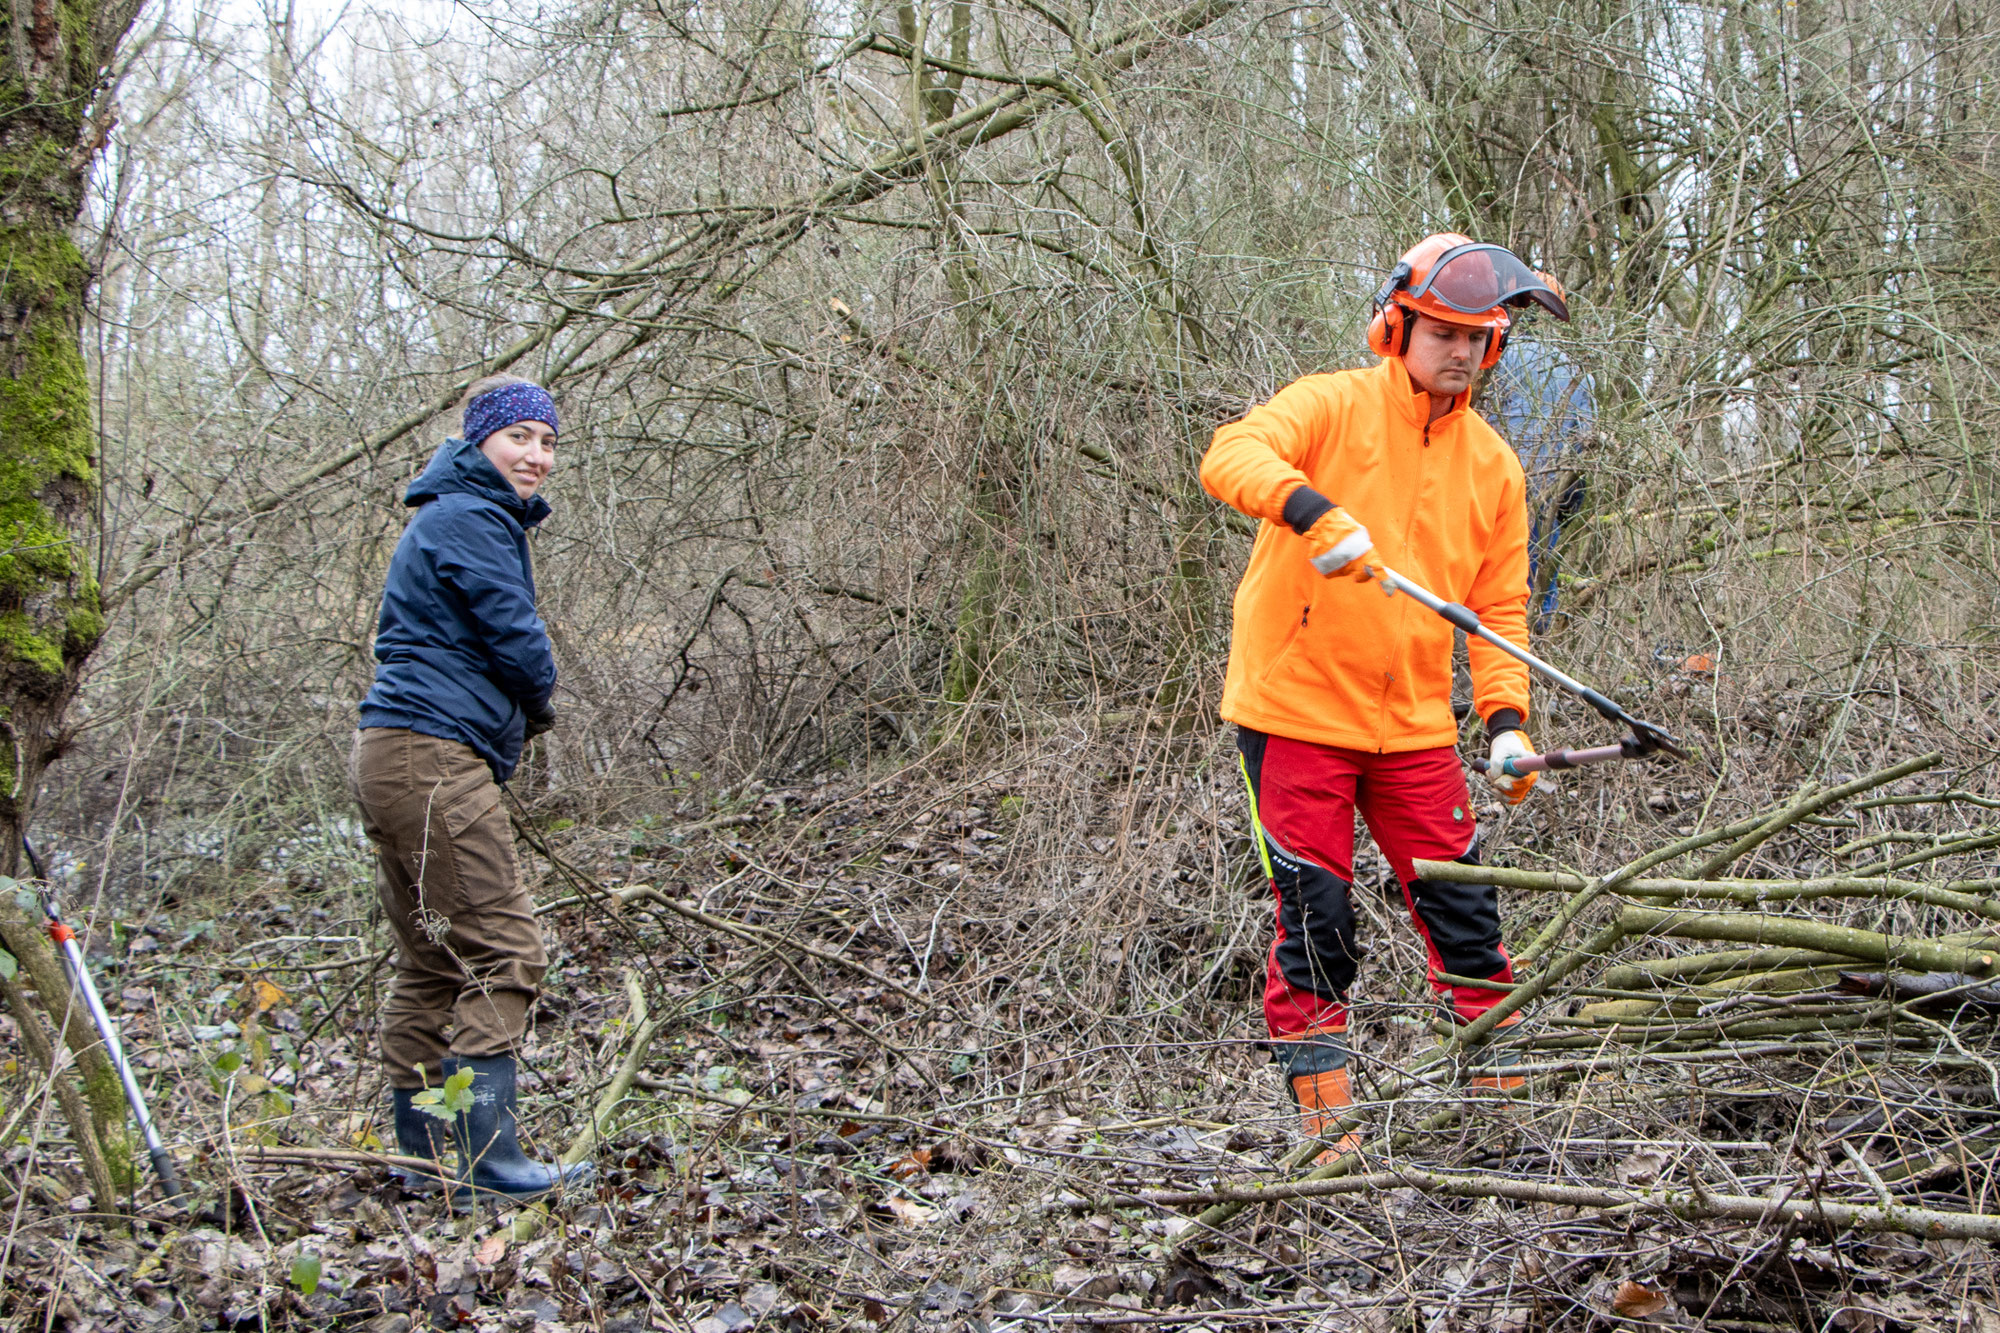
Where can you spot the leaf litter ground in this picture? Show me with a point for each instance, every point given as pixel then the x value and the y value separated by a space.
pixel 932 1051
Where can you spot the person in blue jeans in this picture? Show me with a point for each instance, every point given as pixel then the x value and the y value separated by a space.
pixel 1545 405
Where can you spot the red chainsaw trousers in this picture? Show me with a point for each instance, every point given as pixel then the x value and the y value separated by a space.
pixel 1303 798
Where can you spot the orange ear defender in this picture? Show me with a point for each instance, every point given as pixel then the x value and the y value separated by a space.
pixel 1389 334
pixel 1496 343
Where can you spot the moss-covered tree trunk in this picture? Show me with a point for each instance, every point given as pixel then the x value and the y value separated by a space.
pixel 58 55
pixel 55 72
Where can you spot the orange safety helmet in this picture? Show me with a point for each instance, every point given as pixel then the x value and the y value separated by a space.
pixel 1456 279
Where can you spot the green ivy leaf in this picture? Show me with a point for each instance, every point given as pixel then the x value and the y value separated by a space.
pixel 26 900
pixel 305 1274
pixel 449 1101
pixel 228 1062
pixel 8 967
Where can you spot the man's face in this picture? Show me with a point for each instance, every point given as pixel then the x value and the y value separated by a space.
pixel 523 452
pixel 1443 357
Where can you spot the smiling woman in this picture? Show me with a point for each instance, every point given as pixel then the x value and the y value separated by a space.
pixel 463 680
pixel 522 449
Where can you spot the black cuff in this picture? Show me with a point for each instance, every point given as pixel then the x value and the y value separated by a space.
pixel 1305 507
pixel 1503 719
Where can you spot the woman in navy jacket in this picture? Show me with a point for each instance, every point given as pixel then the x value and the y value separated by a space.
pixel 463 679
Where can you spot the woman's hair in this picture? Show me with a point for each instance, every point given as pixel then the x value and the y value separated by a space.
pixel 484 385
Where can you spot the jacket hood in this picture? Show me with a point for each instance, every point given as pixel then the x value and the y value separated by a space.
pixel 459 468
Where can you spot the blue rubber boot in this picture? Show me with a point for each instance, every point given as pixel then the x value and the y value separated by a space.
pixel 490 1140
pixel 421 1134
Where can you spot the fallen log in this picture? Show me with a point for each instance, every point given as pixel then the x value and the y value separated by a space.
pixel 1689 1205
pixel 1705 968
pixel 1686 1002
pixel 1802 933
pixel 1699 1034
pixel 1959 895
pixel 644 1027
pixel 1928 990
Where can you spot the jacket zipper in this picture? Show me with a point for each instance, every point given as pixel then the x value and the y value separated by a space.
pixel 1409 521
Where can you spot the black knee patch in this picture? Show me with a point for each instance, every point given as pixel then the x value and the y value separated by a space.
pixel 1319 953
pixel 1463 921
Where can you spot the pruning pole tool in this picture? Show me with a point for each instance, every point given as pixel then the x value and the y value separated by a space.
pixel 1645 738
pixel 65 940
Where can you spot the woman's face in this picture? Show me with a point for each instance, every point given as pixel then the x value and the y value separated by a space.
pixel 524 452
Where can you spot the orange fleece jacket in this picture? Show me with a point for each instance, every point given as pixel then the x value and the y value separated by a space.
pixel 1333 661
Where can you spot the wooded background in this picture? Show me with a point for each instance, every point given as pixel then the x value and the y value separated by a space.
pixel 887 341
pixel 890 614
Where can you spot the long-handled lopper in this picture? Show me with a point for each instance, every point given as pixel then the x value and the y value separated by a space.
pixel 1645 739
pixel 65 940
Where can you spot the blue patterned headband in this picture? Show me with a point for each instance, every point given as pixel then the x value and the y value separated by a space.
pixel 500 408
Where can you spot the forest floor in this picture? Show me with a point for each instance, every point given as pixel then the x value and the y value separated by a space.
pixel 921 1044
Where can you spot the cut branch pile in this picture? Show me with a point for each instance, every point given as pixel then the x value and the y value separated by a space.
pixel 1854 983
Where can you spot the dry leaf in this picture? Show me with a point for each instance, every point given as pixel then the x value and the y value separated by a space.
pixel 1858 1319
pixel 908 1213
pixel 1872 1314
pixel 916 1164
pixel 1642 1167
pixel 1189 1280
pixel 266 996
pixel 492 1249
pixel 1072 1280
pixel 1636 1300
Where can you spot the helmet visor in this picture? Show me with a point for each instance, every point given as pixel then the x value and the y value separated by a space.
pixel 1474 279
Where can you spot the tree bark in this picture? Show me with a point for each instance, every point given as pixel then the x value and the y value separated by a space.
pixel 103 1186
pixel 55 117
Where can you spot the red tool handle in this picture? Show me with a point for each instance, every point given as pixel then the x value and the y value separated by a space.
pixel 1556 760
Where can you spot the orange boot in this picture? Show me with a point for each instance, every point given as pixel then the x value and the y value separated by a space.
pixel 1323 1099
pixel 1500 1058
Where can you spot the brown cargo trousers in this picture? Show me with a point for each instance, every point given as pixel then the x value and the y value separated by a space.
pixel 469 954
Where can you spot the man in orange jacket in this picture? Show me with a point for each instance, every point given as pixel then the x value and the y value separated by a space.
pixel 1342 695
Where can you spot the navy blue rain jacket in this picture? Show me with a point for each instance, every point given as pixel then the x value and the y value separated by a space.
pixel 460 652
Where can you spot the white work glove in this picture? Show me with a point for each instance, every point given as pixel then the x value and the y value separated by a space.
pixel 1510 745
pixel 1336 544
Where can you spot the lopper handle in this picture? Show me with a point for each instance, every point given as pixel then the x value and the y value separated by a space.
pixel 1555 760
pixel 163 1166
pixel 163 1162
pixel 1462 617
